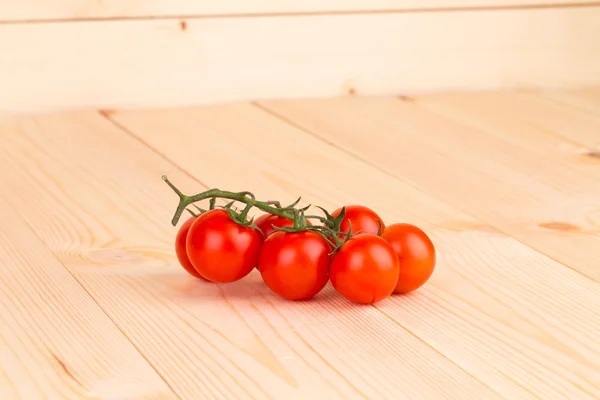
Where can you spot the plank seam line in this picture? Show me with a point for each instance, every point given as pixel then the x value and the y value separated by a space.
pixel 417 103
pixel 130 133
pixel 408 182
pixel 154 150
pixel 84 288
pixel 542 96
pixel 594 113
pixel 424 10
pixel 375 306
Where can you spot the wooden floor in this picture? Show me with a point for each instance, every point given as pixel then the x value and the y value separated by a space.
pixel 95 306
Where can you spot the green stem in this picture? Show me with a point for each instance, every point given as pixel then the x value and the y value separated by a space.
pixel 328 234
pixel 243 197
pixel 324 220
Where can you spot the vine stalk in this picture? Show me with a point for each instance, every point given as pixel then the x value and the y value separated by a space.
pixel 243 197
pixel 329 230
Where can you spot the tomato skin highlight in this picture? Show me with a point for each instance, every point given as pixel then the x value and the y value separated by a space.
pixel 365 269
pixel 180 248
pixel 220 249
pixel 416 253
pixel 364 220
pixel 294 265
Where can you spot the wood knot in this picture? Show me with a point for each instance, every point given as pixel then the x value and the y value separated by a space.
pixel 593 154
pixel 64 368
pixel 349 88
pixel 406 98
pixel 106 113
pixel 183 25
pixel 559 226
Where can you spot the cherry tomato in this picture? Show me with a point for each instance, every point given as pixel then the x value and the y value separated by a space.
pixel 363 219
pixel 220 249
pixel 365 269
pixel 266 221
pixel 180 248
pixel 416 253
pixel 294 265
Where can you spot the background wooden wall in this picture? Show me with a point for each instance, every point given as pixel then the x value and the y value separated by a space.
pixel 65 54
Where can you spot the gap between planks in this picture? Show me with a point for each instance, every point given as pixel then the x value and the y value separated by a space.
pixel 184 17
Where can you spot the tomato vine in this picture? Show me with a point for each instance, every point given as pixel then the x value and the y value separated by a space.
pixel 330 229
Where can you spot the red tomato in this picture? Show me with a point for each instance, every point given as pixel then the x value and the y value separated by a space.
pixel 220 249
pixel 266 221
pixel 416 253
pixel 363 219
pixel 180 248
pixel 294 265
pixel 365 269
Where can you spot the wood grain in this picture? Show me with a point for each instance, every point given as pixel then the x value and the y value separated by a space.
pixel 32 10
pixel 542 204
pixel 55 341
pixel 159 63
pixel 500 310
pixel 109 226
pixel 586 99
pixel 561 133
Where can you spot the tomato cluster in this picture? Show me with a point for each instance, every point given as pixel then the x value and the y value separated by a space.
pixel 366 261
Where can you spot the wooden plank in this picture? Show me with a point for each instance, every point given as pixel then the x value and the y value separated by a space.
pixel 561 133
pixel 110 225
pixel 584 99
pixel 495 307
pixel 32 10
pixel 548 207
pixel 50 342
pixel 207 61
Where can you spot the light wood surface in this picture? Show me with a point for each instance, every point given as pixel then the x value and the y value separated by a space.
pixel 194 61
pixel 585 100
pixel 537 122
pixel 512 310
pixel 32 10
pixel 56 342
pixel 556 208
